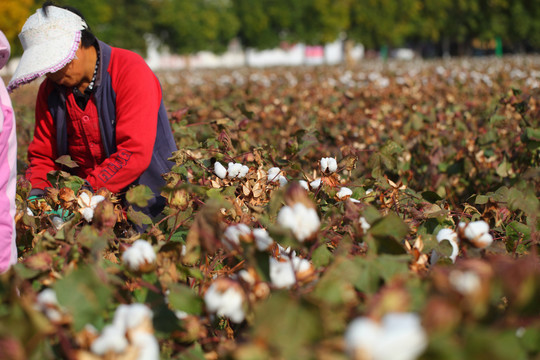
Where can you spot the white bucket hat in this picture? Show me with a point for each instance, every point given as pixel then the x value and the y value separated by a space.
pixel 49 43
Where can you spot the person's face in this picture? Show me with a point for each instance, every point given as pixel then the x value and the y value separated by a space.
pixel 71 74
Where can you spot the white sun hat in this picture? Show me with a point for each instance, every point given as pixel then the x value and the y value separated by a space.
pixel 49 41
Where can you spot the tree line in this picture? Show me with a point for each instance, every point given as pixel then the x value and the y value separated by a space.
pixel 187 26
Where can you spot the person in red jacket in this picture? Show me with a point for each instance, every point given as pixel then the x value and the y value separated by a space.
pixel 99 104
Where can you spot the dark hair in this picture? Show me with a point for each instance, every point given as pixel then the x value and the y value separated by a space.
pixel 87 37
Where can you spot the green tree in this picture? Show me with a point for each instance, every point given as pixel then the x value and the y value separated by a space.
pixel 383 22
pixel 187 26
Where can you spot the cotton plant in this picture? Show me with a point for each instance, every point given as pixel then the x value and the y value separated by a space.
pixel 226 298
pixel 87 204
pixel 140 256
pixel 130 335
pixel 397 336
pixel 274 176
pixel 452 237
pixel 302 220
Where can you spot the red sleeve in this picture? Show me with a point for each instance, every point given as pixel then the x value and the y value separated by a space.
pixel 138 98
pixel 42 151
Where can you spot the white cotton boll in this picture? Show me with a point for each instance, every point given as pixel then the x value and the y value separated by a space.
pixel 233 170
pixel 147 345
pixel 364 224
pixel 220 170
pixel 399 336
pixel 301 220
pixel 29 212
pixel 180 315
pixel 477 232
pixel 88 204
pixel 228 303
pixel 273 174
pixel 243 171
pixel 263 241
pixel 57 222
pixel 84 199
pixel 47 297
pixel 282 273
pixel 137 314
pixel 324 164
pixel 332 165
pixel 344 192
pixel 304 184
pixel 112 338
pixel 361 336
pixel 87 213
pixel 246 276
pixel 96 199
pixel 140 253
pixel 403 337
pixel 452 237
pixel 369 191
pixel 465 282
pixel 282 180
pixel 232 234
pixel 300 265
pixel 315 184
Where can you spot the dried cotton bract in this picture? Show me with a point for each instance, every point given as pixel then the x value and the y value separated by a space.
pixel 225 297
pixel 301 220
pixel 140 256
pixel 399 336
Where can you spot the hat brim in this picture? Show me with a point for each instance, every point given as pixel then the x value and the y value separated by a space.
pixel 45 58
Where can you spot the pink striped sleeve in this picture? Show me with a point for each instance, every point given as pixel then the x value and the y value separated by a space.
pixel 8 179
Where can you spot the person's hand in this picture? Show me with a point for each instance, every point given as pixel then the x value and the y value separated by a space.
pixel 61 213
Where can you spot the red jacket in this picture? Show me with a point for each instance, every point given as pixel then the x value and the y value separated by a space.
pixel 131 116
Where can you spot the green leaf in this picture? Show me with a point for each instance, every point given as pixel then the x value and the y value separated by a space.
pixel 321 256
pixel 388 233
pixel 84 295
pixel 139 195
pixel 138 217
pixel 288 325
pixel 481 199
pixel 183 298
pixel 431 196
